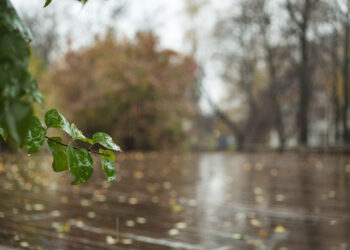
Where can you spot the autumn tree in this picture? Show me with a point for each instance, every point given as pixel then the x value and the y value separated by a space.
pixel 143 95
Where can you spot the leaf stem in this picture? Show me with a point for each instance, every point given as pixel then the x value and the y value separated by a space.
pixel 89 149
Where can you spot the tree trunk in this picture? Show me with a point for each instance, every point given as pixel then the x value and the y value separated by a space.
pixel 345 106
pixel 239 135
pixel 302 24
pixel 335 99
pixel 304 89
pixel 278 120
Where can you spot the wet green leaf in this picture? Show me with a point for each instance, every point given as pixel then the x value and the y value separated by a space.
pixel 18 115
pixel 14 47
pixel 3 133
pixel 31 89
pixel 107 164
pixel 78 135
pixel 47 3
pixel 36 136
pixel 59 152
pixel 80 164
pixel 105 140
pixel 54 119
pixel 10 19
pixel 83 1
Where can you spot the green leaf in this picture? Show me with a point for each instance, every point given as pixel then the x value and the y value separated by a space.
pixel 11 21
pixel 83 1
pixel 31 88
pixel 107 164
pixel 18 115
pixel 80 164
pixel 3 133
pixel 59 152
pixel 47 3
pixel 105 140
pixel 36 136
pixel 78 135
pixel 54 119
pixel 14 47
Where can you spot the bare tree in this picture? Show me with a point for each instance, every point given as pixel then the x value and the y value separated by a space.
pixel 300 13
pixel 344 14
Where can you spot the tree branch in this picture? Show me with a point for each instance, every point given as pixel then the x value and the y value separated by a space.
pixel 89 149
pixel 292 15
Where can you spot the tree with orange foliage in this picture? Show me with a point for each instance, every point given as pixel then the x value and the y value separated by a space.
pixel 143 95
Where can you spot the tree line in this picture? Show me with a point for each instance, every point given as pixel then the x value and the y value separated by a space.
pixel 286 64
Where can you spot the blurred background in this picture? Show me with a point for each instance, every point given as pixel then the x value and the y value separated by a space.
pixel 197 74
pixel 265 82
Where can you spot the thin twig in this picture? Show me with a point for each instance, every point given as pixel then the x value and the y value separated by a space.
pixel 89 149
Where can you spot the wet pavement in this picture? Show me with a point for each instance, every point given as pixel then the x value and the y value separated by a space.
pixel 215 201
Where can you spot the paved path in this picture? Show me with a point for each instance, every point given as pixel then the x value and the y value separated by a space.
pixel 215 201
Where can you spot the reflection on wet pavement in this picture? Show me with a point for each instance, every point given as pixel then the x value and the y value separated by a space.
pixel 215 201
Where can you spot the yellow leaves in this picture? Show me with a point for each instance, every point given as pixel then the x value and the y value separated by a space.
pixel 79 222
pixel 181 225
pixel 133 201
pixel 64 199
pixel 174 206
pixel 16 237
pixel 172 202
pixel 138 220
pixel 177 208
pixel 127 241
pixel 238 236
pixel 166 185
pixel 279 229
pixel 99 197
pixel 110 240
pixel 173 232
pixel 38 207
pixel 280 197
pixel 258 190
pixel 55 213
pixel 85 203
pixel 61 228
pixel 141 220
pixel 130 223
pixel 122 199
pixel 138 175
pixel 35 207
pixel 333 222
pixel 91 214
pixel 255 222
pixel 24 244
pixel 273 172
pixel 247 167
